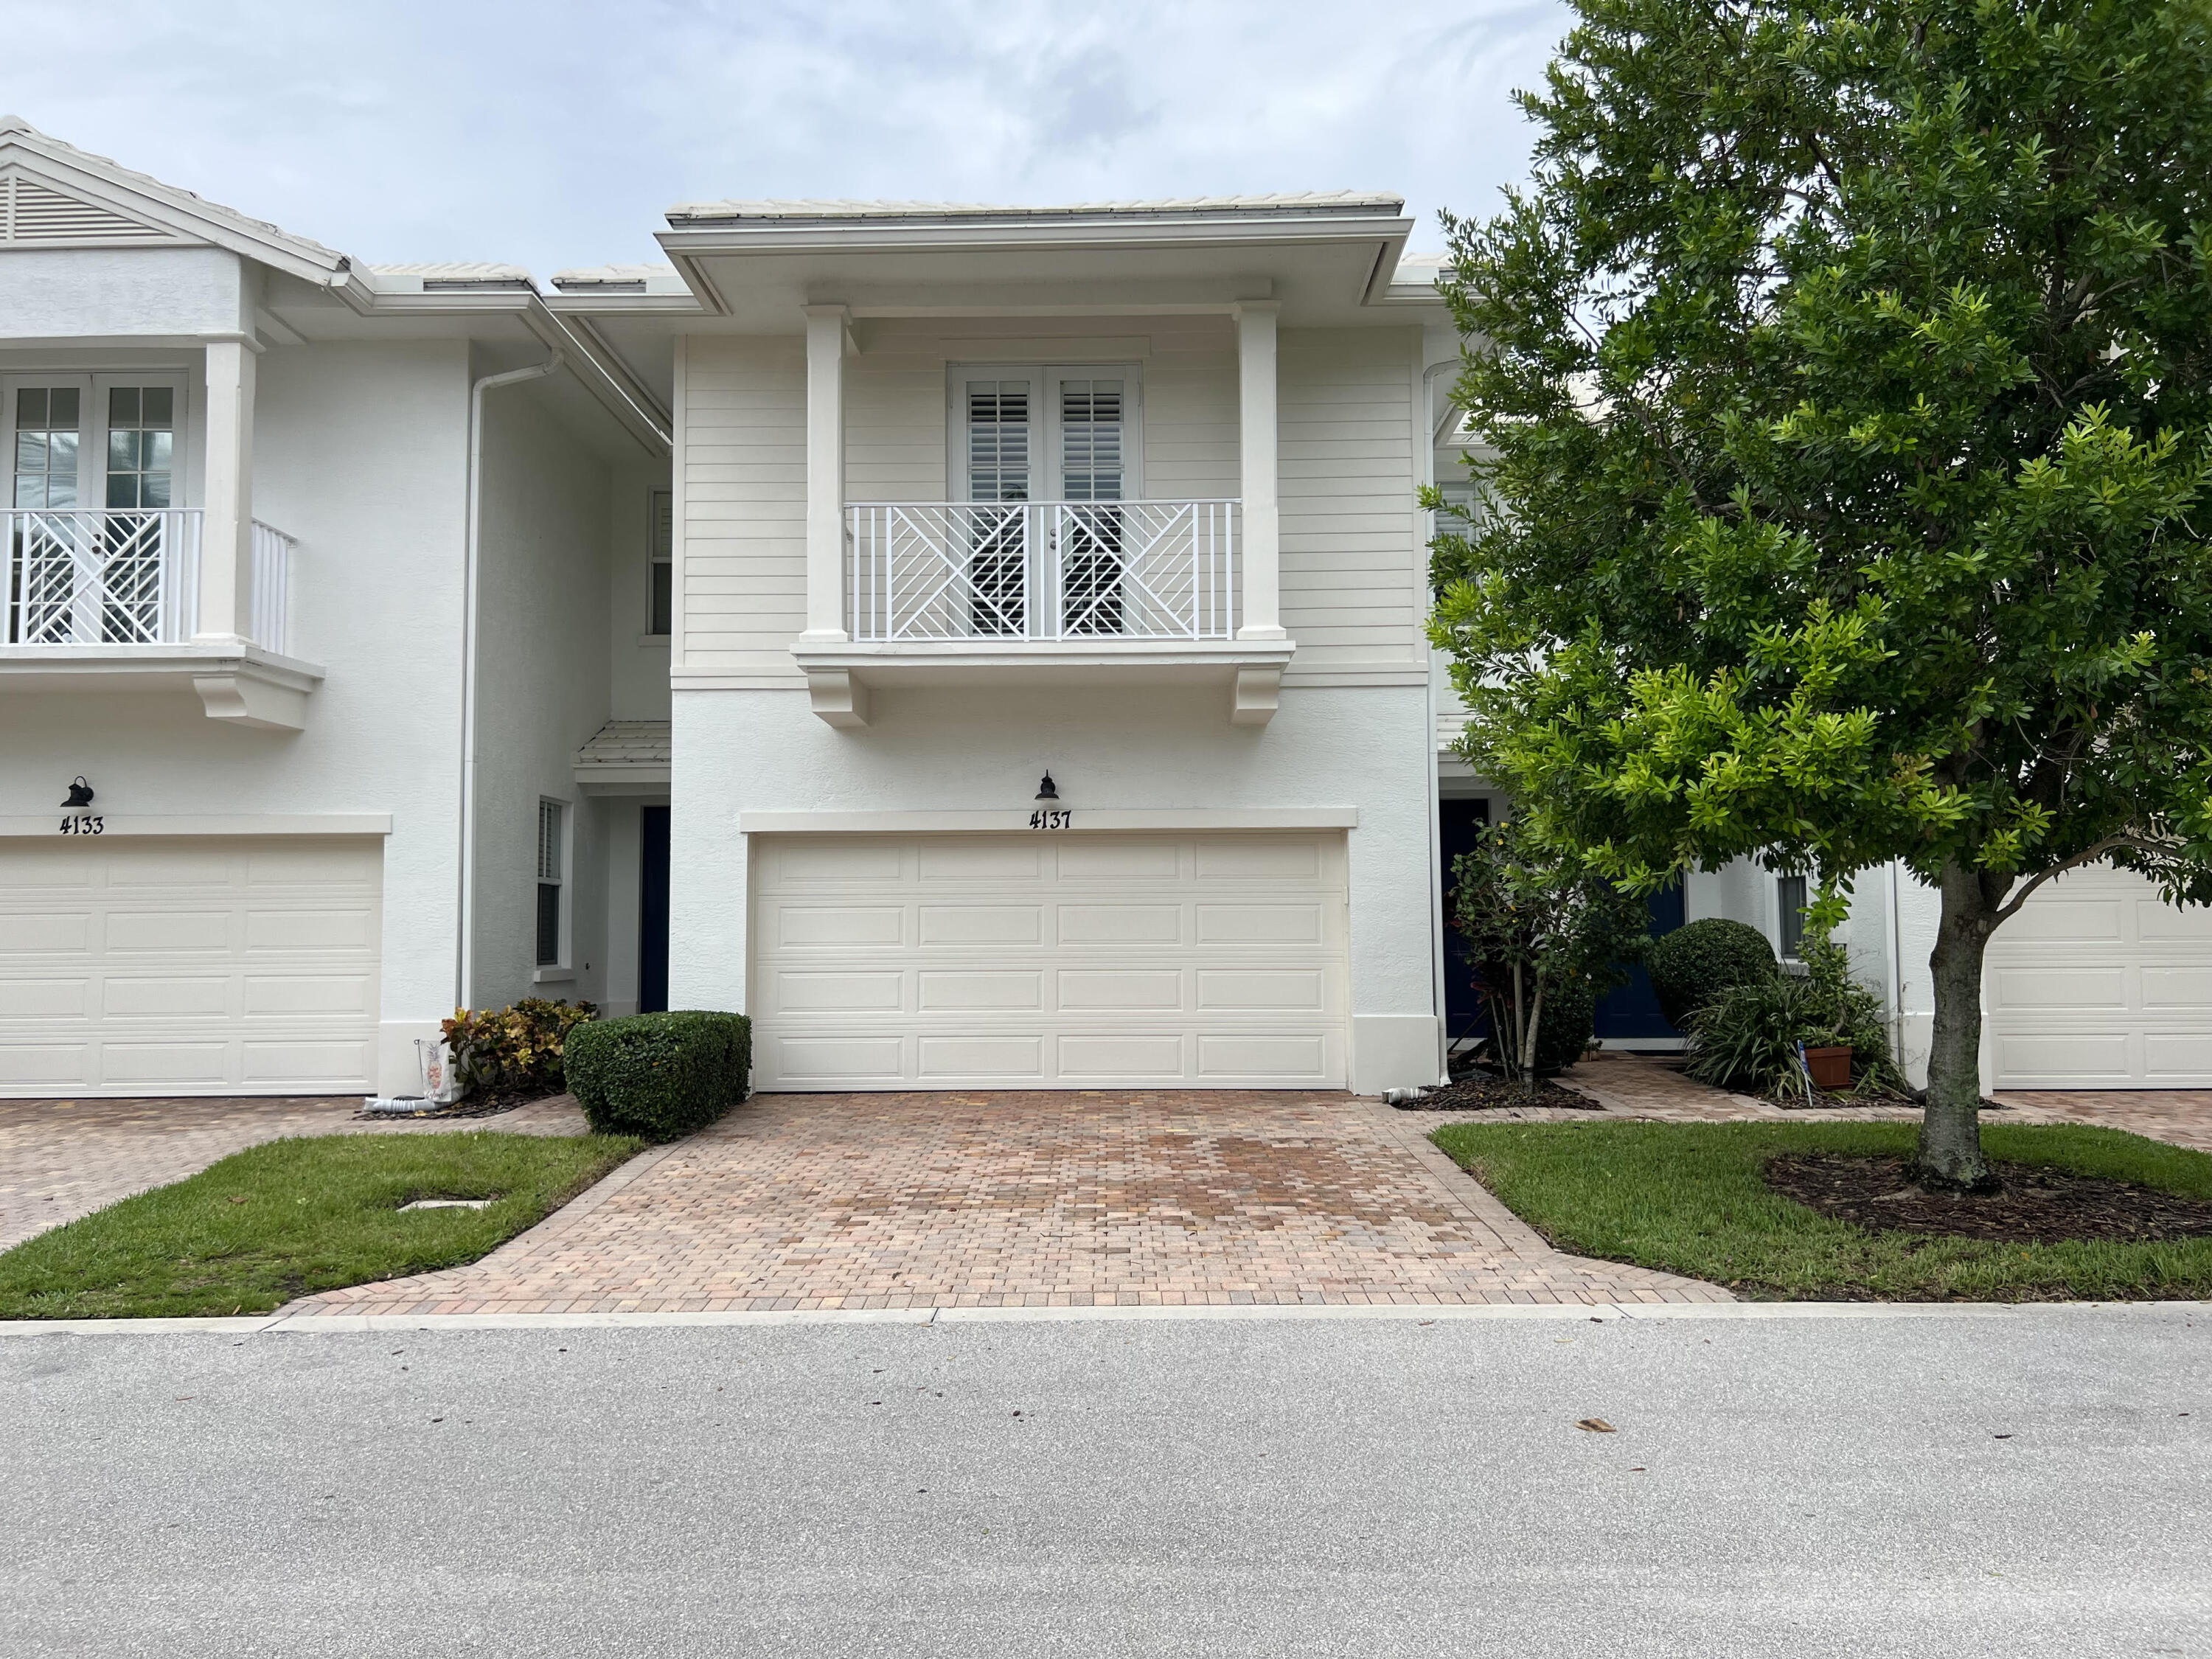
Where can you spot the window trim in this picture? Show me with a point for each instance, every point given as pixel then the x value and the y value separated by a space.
pixel 563 850
pixel 1046 482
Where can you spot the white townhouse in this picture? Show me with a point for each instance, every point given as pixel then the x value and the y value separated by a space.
pixel 984 644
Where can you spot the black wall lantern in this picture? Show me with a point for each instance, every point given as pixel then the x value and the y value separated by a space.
pixel 80 792
pixel 1046 788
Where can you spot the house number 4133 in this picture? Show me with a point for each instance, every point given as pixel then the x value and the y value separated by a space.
pixel 84 823
pixel 1049 820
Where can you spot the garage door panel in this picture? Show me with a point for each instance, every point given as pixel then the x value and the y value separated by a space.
pixel 45 999
pixel 304 1064
pixel 1296 993
pixel 967 989
pixel 310 995
pixel 844 860
pixel 2047 916
pixel 199 997
pixel 834 925
pixel 55 934
pixel 208 930
pixel 164 1064
pixel 838 993
pixel 2062 988
pixel 1117 860
pixel 2186 988
pixel 1261 924
pixel 189 965
pixel 2084 1057
pixel 988 862
pixel 2178 1060
pixel 2159 923
pixel 27 1067
pixel 1085 989
pixel 981 924
pixel 953 1059
pixel 1128 967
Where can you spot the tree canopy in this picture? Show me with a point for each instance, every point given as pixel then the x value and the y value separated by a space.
pixel 1842 376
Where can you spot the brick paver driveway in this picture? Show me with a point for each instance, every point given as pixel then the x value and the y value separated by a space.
pixel 60 1159
pixel 904 1201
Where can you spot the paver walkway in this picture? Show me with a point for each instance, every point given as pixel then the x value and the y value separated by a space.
pixel 60 1159
pixel 1168 1198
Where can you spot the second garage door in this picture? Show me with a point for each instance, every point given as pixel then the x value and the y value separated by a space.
pixel 2099 983
pixel 1076 961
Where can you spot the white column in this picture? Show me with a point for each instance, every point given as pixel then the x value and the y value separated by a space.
pixel 226 594
pixel 825 475
pixel 1256 444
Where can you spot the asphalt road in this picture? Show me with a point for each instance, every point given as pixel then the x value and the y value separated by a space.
pixel 2030 1484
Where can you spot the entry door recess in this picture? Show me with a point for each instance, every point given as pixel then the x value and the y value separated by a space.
pixel 1081 961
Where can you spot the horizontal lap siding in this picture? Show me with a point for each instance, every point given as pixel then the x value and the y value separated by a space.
pixel 745 504
pixel 1351 529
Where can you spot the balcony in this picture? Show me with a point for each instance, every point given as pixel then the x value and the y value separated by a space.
pixel 1041 592
pixel 1000 571
pixel 110 600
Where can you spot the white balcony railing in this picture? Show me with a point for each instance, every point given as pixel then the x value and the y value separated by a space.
pixel 125 576
pixel 1042 570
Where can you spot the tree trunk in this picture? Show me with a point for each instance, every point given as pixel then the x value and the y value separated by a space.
pixel 1528 1036
pixel 1950 1156
pixel 1509 1053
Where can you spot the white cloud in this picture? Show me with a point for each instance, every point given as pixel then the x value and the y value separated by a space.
pixel 555 133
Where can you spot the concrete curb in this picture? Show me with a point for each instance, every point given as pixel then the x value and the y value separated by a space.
pixel 1425 1313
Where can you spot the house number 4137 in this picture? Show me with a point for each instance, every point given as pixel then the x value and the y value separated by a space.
pixel 1048 820
pixel 84 823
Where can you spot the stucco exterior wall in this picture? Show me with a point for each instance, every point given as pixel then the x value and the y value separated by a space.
pixel 1159 747
pixel 359 454
pixel 544 678
pixel 70 293
pixel 638 663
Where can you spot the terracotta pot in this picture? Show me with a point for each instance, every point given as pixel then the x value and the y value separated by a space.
pixel 1831 1067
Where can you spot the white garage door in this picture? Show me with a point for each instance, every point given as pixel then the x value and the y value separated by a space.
pixel 1078 961
pixel 2099 983
pixel 190 965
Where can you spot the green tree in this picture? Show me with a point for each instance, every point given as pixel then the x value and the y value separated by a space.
pixel 1542 932
pixel 1843 374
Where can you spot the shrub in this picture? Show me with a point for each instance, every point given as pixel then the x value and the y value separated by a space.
pixel 1697 962
pixel 1747 1037
pixel 1570 1021
pixel 518 1050
pixel 662 1076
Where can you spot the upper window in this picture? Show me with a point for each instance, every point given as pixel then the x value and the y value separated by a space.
pixel 1044 434
pixel 664 562
pixel 142 436
pixel 92 441
pixel 48 436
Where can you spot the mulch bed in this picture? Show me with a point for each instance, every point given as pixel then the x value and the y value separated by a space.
pixel 1481 1092
pixel 2038 1204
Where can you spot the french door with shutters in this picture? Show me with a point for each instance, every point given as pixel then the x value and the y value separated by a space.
pixel 1064 443
pixel 93 544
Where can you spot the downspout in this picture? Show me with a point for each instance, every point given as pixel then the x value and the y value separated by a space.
pixel 1896 976
pixel 463 948
pixel 1437 988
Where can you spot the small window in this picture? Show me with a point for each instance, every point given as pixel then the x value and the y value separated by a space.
pixel 1789 901
pixel 552 858
pixel 664 562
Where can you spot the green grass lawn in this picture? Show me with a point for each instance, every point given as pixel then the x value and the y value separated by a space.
pixel 290 1218
pixel 1689 1198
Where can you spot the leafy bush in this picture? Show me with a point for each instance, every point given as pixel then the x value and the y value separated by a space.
pixel 1546 936
pixel 1697 962
pixel 1570 1021
pixel 662 1076
pixel 1747 1037
pixel 519 1050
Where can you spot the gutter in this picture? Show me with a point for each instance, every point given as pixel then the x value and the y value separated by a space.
pixel 463 952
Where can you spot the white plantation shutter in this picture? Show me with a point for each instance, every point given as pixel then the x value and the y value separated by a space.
pixel 1091 450
pixel 998 448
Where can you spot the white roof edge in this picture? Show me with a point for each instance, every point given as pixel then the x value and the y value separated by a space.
pixel 1319 203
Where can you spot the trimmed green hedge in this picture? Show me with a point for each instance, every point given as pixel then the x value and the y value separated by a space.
pixel 1696 963
pixel 662 1076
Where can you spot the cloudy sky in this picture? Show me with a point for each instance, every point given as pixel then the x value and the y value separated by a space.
pixel 553 133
